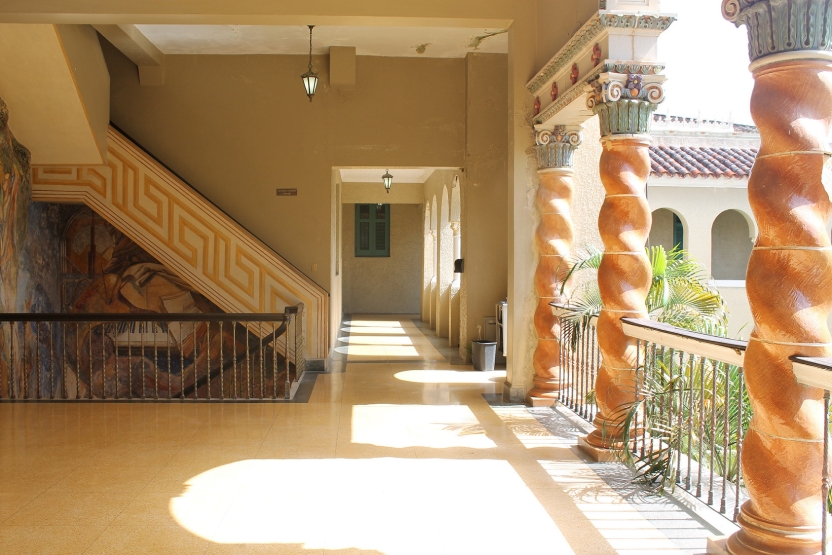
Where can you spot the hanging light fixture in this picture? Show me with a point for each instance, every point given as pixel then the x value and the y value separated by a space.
pixel 387 179
pixel 310 78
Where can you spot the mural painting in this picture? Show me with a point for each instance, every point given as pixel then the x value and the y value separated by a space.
pixel 105 272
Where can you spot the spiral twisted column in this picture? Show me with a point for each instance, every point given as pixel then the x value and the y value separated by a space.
pixel 624 104
pixel 789 274
pixel 554 236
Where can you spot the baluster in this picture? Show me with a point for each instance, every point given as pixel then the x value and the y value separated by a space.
pixel 690 409
pixel 714 374
pixel 130 360
pixel 208 357
pixel 114 337
pixel 262 372
pixel 248 364
pixel 181 365
pixel 37 363
pixel 680 415
pixel 234 331
pixel 77 361
pixel 153 327
pixel 701 437
pixel 288 391
pixel 167 348
pixel 142 327
pixel 13 366
pixel 740 390
pixel 725 439
pixel 222 363
pixel 196 363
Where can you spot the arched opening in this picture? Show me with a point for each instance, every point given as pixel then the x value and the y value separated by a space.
pixel 434 217
pixel 455 315
pixel 444 264
pixel 730 246
pixel 428 264
pixel 668 230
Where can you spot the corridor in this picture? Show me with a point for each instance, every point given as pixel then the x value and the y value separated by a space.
pixel 398 453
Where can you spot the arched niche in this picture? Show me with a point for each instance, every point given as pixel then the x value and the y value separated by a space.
pixel 669 229
pixel 731 244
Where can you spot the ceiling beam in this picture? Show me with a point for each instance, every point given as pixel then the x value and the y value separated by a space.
pixel 133 44
pixel 426 13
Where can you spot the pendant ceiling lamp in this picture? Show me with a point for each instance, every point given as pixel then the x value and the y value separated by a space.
pixel 387 179
pixel 310 78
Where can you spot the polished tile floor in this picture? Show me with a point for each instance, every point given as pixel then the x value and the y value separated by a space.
pixel 394 458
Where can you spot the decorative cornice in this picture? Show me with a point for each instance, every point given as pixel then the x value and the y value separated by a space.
pixel 600 22
pixel 556 149
pixel 578 91
pixel 777 26
pixel 625 103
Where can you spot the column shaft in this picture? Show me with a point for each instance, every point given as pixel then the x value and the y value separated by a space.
pixel 623 279
pixel 554 239
pixel 788 283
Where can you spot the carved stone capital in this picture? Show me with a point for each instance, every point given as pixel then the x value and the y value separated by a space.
pixel 625 103
pixel 778 26
pixel 556 149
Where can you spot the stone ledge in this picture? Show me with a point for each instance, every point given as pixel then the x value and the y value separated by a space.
pixel 599 455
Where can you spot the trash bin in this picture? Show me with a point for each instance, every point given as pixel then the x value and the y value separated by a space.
pixel 483 354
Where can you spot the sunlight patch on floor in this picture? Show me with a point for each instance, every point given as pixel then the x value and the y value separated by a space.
pixel 451 377
pixel 432 426
pixel 341 504
pixel 619 522
pixel 376 340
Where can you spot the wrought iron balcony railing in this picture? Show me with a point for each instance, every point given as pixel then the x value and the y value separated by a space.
pixel 124 357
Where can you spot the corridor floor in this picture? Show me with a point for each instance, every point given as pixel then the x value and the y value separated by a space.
pixel 388 457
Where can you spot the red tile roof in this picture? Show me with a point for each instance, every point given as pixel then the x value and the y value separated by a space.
pixel 682 161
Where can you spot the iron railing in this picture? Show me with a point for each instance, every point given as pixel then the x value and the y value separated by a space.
pixel 580 358
pixel 141 357
pixel 691 412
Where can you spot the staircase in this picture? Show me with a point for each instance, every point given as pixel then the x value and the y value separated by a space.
pixel 188 234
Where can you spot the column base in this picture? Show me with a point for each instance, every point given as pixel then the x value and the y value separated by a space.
pixel 596 453
pixel 759 536
pixel 717 545
pixel 514 394
pixel 544 402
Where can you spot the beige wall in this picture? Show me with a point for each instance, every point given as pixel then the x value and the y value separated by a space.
pixel 385 285
pixel 730 246
pixel 484 215
pixel 238 127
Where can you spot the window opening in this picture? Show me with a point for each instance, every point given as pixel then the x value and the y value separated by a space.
pixel 372 230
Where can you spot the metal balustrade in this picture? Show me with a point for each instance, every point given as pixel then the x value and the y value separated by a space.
pixel 151 357
pixel 691 412
pixel 580 357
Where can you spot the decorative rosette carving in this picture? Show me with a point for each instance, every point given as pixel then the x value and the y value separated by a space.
pixel 777 26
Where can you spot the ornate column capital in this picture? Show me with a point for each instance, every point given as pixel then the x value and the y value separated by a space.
pixel 625 103
pixel 556 148
pixel 781 26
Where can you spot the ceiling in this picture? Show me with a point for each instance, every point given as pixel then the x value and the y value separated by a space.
pixel 428 42
pixel 400 175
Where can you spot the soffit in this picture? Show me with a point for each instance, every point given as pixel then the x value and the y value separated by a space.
pixel 427 42
pixel 46 111
pixel 372 175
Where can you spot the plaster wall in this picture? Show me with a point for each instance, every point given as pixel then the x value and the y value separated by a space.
pixel 384 285
pixel 56 86
pixel 485 220
pixel 238 127
pixel 368 193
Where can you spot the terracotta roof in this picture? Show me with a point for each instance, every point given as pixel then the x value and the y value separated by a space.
pixel 683 161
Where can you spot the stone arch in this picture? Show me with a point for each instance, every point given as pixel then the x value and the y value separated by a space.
pixel 434 217
pixel 444 263
pixel 427 264
pixel 668 225
pixel 731 245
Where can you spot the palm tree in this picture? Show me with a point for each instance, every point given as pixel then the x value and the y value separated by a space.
pixel 679 293
pixel 680 296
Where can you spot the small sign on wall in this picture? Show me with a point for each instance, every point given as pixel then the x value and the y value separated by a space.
pixel 287 192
